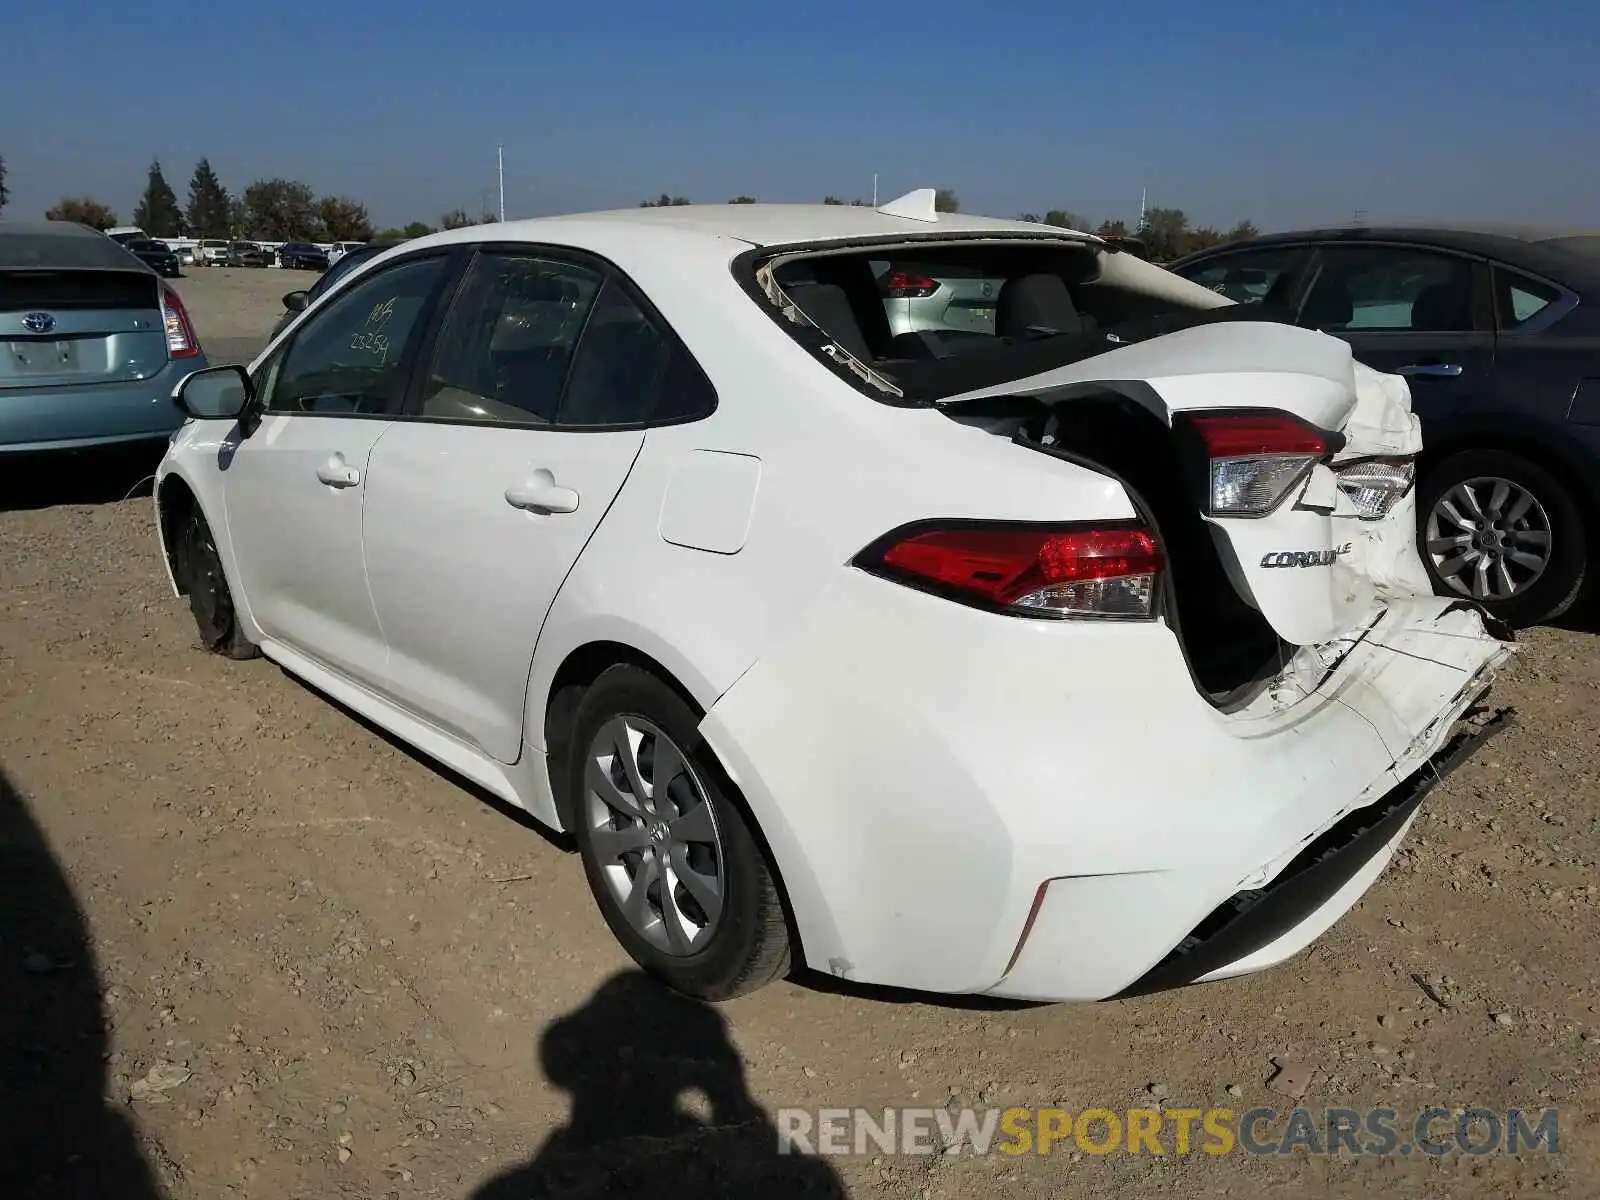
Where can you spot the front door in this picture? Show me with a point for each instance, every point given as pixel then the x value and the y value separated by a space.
pixel 294 488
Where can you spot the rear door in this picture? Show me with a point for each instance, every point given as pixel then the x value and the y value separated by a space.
pixel 1414 311
pixel 521 431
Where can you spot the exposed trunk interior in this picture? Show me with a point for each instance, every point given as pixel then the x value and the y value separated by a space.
pixel 1231 648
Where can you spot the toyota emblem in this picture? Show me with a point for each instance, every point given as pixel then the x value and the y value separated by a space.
pixel 38 322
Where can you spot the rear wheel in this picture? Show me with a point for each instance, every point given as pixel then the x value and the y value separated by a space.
pixel 210 599
pixel 671 860
pixel 1500 529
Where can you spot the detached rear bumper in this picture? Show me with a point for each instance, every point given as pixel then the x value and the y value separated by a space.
pixel 1264 926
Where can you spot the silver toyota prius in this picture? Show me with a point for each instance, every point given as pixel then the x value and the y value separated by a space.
pixel 92 342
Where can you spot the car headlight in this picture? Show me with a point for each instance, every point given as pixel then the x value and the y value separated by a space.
pixel 1374 485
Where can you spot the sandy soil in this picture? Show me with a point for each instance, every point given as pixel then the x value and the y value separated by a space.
pixel 249 947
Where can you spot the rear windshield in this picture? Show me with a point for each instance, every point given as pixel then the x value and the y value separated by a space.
pixel 58 291
pixel 146 245
pixel 931 321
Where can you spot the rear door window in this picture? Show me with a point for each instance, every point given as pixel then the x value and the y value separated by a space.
pixel 505 348
pixel 1394 289
pixel 1519 299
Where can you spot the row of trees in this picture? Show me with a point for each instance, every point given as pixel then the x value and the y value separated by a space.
pixel 286 210
pixel 279 210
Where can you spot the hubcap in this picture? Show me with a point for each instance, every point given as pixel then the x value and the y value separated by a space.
pixel 654 835
pixel 1488 538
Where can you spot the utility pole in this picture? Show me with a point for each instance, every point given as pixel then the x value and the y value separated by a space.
pixel 1143 195
pixel 500 154
pixel 874 189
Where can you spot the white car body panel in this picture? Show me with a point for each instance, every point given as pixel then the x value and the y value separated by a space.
pixel 925 774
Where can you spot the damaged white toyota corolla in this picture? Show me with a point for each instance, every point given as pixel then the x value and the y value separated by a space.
pixel 1060 636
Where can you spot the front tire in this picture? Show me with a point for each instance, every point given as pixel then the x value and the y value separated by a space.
pixel 210 599
pixel 1502 530
pixel 670 856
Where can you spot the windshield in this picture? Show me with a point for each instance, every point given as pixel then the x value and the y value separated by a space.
pixel 146 246
pixel 922 321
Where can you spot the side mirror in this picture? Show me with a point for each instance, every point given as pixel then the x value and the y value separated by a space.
pixel 215 394
pixel 295 301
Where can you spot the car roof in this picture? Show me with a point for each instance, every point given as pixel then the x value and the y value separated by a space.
pixel 718 225
pixel 62 245
pixel 1569 256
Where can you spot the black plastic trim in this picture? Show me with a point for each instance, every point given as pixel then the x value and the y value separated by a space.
pixel 1250 920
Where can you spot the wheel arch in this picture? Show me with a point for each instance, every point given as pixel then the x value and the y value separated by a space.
pixel 578 670
pixel 1549 451
pixel 175 503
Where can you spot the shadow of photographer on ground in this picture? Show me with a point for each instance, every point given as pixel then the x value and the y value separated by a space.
pixel 58 1136
pixel 659 1106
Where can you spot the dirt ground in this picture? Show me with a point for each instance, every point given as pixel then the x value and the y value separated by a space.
pixel 250 947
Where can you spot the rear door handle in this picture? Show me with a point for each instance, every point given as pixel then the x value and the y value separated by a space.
pixel 541 493
pixel 337 473
pixel 1446 370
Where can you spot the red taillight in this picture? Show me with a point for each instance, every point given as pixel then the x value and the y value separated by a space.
pixel 1256 458
pixel 1046 571
pixel 181 339
pixel 1235 436
pixel 908 285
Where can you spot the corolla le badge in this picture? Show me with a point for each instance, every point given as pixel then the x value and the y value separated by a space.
pixel 38 322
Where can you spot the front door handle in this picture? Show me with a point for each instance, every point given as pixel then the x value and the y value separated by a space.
pixel 337 473
pixel 540 493
pixel 1444 370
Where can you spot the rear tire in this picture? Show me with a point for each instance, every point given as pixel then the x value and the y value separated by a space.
pixel 670 856
pixel 1527 525
pixel 210 599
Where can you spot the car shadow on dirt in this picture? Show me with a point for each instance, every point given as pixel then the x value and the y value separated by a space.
pixel 58 1135
pixel 659 1107
pixel 85 477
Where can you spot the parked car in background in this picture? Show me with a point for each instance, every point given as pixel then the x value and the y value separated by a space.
pixel 296 302
pixel 212 252
pixel 185 254
pixel 1023 670
pixel 126 233
pixel 92 342
pixel 247 254
pixel 340 249
pixel 158 256
pixel 301 256
pixel 1499 338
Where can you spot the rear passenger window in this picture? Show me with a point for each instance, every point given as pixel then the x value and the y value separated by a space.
pixel 1520 299
pixel 506 346
pixel 617 367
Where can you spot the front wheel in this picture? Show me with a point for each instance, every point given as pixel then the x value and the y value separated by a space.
pixel 1500 529
pixel 210 600
pixel 671 860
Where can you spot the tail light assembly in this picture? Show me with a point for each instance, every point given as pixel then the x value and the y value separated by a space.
pixel 900 284
pixel 1254 459
pixel 1105 571
pixel 181 339
pixel 1373 485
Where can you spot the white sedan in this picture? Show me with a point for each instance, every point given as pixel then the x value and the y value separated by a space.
pixel 1078 651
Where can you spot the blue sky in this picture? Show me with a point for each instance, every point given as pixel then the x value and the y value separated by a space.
pixel 1229 109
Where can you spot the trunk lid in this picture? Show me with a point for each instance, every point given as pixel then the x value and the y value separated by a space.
pixel 80 326
pixel 1320 561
